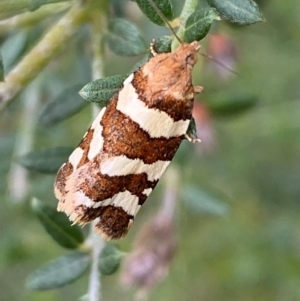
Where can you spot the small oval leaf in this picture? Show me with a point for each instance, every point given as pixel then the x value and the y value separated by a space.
pixel 58 225
pixel 204 202
pixel 163 44
pixel 13 47
pixel 47 160
pixel 141 62
pixel 243 12
pixel 232 105
pixel 63 106
pixel 124 38
pixel 59 272
pixel 101 90
pixel 198 24
pixel 110 259
pixel 165 6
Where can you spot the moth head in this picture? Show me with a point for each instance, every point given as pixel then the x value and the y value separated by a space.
pixel 188 54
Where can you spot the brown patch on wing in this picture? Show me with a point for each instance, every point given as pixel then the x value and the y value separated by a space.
pixel 66 170
pixel 105 187
pixel 114 222
pixel 62 175
pixel 122 136
pixel 85 145
pixel 163 100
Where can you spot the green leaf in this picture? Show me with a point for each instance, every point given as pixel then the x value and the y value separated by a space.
pixel 58 225
pixel 1 69
pixel 165 6
pixel 13 47
pixel 63 106
pixel 7 144
pixel 101 90
pixel 10 8
pixel 124 38
pixel 232 105
pixel 47 160
pixel 59 272
pixel 163 44
pixel 35 4
pixel 243 12
pixel 204 202
pixel 110 259
pixel 141 62
pixel 198 24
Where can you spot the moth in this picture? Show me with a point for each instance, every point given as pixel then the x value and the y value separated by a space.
pixel 129 145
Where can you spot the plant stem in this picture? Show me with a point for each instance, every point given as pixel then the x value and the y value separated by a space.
pixel 188 8
pixel 171 181
pixel 98 23
pixel 98 27
pixel 9 6
pixel 53 41
pixel 31 18
pixel 97 243
pixel 18 175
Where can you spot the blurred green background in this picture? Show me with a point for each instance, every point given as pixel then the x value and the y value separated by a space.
pixel 250 160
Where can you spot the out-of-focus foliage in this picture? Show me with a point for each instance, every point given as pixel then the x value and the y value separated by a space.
pixel 1 69
pixel 252 251
pixel 46 160
pixel 124 38
pixel 110 259
pixel 59 272
pixel 58 225
pixel 65 104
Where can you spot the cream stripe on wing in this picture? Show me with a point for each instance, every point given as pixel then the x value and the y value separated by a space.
pixel 127 201
pixel 97 140
pixel 147 191
pixel 156 123
pixel 76 156
pixel 122 166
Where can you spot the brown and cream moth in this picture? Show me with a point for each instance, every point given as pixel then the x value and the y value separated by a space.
pixel 129 145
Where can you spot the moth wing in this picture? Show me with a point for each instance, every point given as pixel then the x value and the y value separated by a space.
pixel 90 195
pixel 90 145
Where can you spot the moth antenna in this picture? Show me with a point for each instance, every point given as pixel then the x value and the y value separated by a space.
pixel 154 53
pixel 220 63
pixel 155 7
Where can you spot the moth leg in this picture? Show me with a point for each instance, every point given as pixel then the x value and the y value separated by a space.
pixel 198 89
pixel 192 138
pixel 154 53
pixel 191 133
